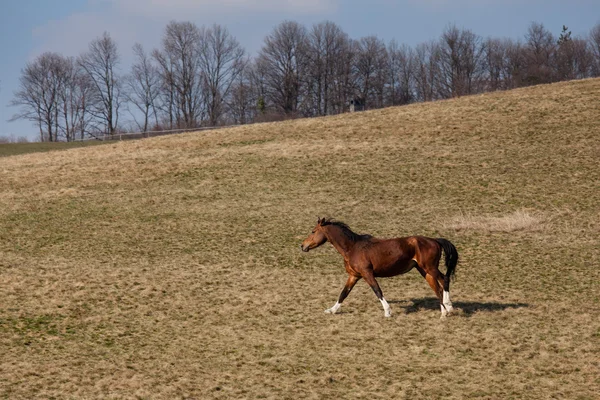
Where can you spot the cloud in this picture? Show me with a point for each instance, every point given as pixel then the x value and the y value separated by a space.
pixel 143 21
pixel 71 36
pixel 180 8
pixel 439 5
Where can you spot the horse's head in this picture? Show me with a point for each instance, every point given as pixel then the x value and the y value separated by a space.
pixel 316 238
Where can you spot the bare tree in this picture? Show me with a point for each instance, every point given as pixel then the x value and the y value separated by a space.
pixel 539 54
pixel 574 60
pixel 100 63
pixel 343 87
pixel 167 104
pixel 316 71
pixel 257 73
pixel 38 96
pixel 68 105
pixel 515 67
pixel 461 62
pixel 284 60
pixel 180 69
pixel 76 99
pixel 495 64
pixel 370 70
pixel 400 73
pixel 583 58
pixel 86 102
pixel 242 99
pixel 504 64
pixel 427 70
pixel 221 61
pixel 142 87
pixel 594 42
pixel 328 68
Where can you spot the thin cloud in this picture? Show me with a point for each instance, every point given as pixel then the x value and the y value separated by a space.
pixel 72 35
pixel 131 21
pixel 180 7
pixel 445 4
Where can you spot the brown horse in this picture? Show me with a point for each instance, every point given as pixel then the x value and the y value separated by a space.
pixel 367 257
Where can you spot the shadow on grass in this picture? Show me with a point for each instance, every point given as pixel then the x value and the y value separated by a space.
pixel 467 307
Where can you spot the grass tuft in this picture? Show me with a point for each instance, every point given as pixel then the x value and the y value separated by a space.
pixel 517 221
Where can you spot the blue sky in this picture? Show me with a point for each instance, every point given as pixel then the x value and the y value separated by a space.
pixel 31 27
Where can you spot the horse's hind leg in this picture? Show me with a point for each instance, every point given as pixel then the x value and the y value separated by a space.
pixel 445 284
pixel 345 291
pixel 370 279
pixel 435 280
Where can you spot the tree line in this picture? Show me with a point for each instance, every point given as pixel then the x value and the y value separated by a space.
pixel 203 77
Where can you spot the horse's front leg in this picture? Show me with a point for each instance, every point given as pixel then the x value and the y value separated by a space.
pixel 347 288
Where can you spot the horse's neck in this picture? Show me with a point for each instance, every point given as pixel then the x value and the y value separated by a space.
pixel 341 242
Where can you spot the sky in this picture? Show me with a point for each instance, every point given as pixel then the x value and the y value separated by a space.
pixel 29 28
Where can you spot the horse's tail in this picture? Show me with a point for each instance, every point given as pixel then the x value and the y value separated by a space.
pixel 451 261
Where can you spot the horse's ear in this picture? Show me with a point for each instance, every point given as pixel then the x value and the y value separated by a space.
pixel 318 221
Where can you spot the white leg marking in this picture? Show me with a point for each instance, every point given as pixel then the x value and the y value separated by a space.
pixel 387 311
pixel 334 309
pixel 447 302
pixel 444 312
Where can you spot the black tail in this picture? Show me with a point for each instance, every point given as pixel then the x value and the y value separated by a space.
pixel 451 260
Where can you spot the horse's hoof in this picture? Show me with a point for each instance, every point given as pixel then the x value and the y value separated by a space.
pixel 387 315
pixel 330 311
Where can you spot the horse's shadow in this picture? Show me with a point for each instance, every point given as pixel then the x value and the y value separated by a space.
pixel 467 307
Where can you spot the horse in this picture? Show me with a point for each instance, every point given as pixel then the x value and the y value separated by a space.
pixel 369 258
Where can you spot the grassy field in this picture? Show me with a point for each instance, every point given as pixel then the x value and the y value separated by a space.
pixel 170 267
pixel 13 149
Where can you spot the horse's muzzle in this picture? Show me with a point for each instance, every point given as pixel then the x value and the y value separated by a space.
pixel 304 249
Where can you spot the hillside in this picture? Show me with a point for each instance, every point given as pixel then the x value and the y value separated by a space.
pixel 170 267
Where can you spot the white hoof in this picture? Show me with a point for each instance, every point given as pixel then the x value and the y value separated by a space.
pixel 444 312
pixel 334 309
pixel 387 311
pixel 447 303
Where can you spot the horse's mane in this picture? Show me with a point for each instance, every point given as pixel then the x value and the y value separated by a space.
pixel 355 237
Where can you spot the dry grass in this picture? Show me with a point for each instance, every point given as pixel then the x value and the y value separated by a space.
pixel 170 268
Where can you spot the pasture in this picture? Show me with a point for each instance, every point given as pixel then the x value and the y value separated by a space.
pixel 171 268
